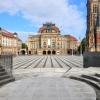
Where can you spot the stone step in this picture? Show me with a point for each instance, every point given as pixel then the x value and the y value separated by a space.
pixel 88 81
pixel 98 75
pixel 5 81
pixel 1 70
pixel 1 67
pixel 4 77
pixel 3 73
pixel 91 78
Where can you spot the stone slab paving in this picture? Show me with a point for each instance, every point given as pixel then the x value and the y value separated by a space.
pixel 56 69
pixel 56 65
pixel 46 88
pixel 45 82
pixel 81 71
pixel 54 72
pixel 40 72
pixel 46 61
pixel 42 62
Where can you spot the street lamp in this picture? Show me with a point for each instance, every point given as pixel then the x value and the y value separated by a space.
pixel 80 47
pixel 72 51
pixel 80 50
pixel 72 48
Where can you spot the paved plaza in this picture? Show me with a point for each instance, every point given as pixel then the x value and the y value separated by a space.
pixel 47 89
pixel 52 65
pixel 26 62
pixel 47 78
pixel 47 65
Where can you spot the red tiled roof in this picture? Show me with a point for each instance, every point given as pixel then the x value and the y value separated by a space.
pixel 8 34
pixel 44 28
pixel 72 38
pixel 52 26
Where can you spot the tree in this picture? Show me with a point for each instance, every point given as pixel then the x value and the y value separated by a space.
pixel 24 46
pixel 82 45
pixel 0 28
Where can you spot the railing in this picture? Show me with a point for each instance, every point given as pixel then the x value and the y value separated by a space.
pixel 6 61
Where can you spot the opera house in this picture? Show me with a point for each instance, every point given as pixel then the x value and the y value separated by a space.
pixel 49 40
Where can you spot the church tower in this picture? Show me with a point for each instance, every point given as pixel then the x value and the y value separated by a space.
pixel 97 29
pixel 93 26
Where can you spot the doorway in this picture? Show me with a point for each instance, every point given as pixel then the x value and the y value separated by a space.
pixel 53 52
pixel 23 52
pixel 29 52
pixel 49 52
pixel 44 52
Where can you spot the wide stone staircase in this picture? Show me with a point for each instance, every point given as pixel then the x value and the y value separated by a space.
pixel 92 80
pixel 4 77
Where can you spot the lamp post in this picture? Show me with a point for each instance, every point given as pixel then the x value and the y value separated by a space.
pixel 72 51
pixel 81 50
pixel 72 48
pixel 80 47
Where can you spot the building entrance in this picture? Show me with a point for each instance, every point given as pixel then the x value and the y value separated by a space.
pixel 44 52
pixel 53 52
pixel 30 52
pixel 49 52
pixel 23 52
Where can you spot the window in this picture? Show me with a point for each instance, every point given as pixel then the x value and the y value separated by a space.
pixel 44 44
pixel 53 44
pixel 95 8
pixel 49 43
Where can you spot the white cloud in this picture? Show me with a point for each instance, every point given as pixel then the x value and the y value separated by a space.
pixel 66 16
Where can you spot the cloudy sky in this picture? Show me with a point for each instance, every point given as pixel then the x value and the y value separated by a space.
pixel 26 16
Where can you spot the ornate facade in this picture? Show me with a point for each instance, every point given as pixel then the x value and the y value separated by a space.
pixel 50 41
pixel 93 25
pixel 9 42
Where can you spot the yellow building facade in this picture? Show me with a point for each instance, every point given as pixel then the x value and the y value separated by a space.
pixel 49 41
pixel 9 42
